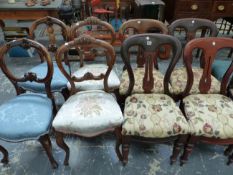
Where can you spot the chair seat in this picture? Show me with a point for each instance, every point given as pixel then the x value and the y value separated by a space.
pixel 95 69
pixel 153 116
pixel 138 86
pixel 178 81
pixel 88 114
pixel 26 117
pixel 219 67
pixel 58 83
pixel 210 115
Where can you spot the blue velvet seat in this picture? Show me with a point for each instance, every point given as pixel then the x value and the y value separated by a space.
pixel 219 67
pixel 59 82
pixel 26 117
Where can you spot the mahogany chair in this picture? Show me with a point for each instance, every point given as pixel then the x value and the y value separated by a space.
pixel 87 51
pixel 140 26
pixel 59 82
pixel 191 27
pixel 209 115
pixel 28 116
pixel 91 112
pixel 149 116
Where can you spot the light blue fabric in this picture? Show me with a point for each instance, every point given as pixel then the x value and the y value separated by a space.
pixel 28 116
pixel 219 68
pixel 58 81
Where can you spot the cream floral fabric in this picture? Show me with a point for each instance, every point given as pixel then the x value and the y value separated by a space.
pixel 95 69
pixel 178 81
pixel 153 116
pixel 211 115
pixel 88 113
pixel 138 86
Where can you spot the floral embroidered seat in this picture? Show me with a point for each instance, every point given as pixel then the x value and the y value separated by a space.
pixel 178 81
pixel 210 115
pixel 144 116
pixel 88 114
pixel 139 75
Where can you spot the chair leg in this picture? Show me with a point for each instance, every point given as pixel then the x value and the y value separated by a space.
pixel 230 159
pixel 65 92
pixel 118 143
pixel 63 145
pixel 5 159
pixel 188 149
pixel 178 145
pixel 46 143
pixel 125 148
pixel 228 150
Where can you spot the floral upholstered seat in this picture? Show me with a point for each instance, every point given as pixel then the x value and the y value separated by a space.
pixel 139 75
pixel 95 69
pixel 210 115
pixel 88 113
pixel 153 116
pixel 178 81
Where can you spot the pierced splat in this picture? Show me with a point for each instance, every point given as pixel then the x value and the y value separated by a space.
pixel 148 80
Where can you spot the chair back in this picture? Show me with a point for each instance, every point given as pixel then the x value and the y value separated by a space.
pixel 28 76
pixel 191 25
pixel 210 47
pixel 150 43
pixel 90 42
pixel 50 23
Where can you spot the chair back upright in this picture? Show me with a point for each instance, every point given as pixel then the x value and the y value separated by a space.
pixel 82 42
pixel 210 47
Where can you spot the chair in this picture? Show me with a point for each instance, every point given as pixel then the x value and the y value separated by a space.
pixel 88 113
pixel 209 115
pixel 28 116
pixel 149 116
pixel 141 26
pixel 59 82
pixel 191 26
pixel 86 51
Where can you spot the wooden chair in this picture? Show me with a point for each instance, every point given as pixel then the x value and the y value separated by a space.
pixel 191 26
pixel 140 26
pixel 28 116
pixel 209 115
pixel 87 51
pixel 149 116
pixel 88 113
pixel 59 82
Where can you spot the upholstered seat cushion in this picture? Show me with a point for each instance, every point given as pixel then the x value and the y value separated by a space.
pixel 95 69
pixel 153 116
pixel 138 86
pixel 210 115
pixel 58 81
pixel 88 113
pixel 178 81
pixel 219 67
pixel 27 116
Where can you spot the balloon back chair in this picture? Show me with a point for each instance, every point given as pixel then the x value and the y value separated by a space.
pixel 140 26
pixel 191 26
pixel 209 115
pixel 149 116
pixel 28 116
pixel 76 31
pixel 91 112
pixel 59 82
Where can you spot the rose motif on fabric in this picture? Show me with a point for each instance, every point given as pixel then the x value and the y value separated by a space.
pixel 142 127
pixel 207 128
pixel 157 108
pixel 176 128
pixel 133 100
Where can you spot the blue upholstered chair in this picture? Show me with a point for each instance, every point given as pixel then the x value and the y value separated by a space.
pixel 28 116
pixel 59 82
pixel 90 112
